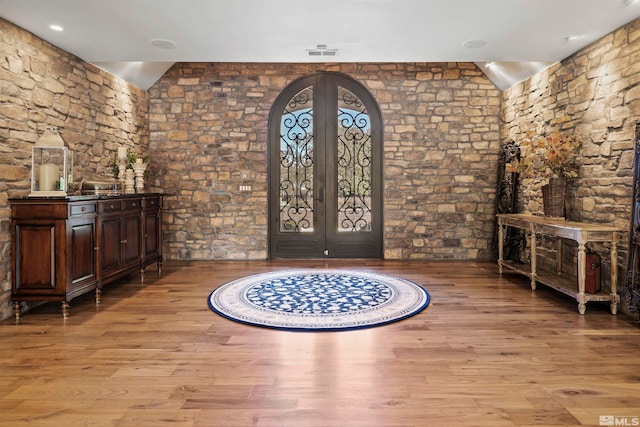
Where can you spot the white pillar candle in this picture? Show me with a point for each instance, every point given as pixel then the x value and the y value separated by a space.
pixel 122 153
pixel 48 177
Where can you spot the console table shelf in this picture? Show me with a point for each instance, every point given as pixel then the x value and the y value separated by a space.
pixel 580 232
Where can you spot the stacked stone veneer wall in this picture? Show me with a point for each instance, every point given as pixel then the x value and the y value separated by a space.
pixel 597 90
pixel 41 85
pixel 208 123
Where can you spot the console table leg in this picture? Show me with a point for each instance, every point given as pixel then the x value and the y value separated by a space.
pixel 582 307
pixel 614 273
pixel 582 273
pixel 534 266
pixel 500 246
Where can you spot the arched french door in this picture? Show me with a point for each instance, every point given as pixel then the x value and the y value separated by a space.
pixel 325 170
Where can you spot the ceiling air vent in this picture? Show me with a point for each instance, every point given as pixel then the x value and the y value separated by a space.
pixel 321 50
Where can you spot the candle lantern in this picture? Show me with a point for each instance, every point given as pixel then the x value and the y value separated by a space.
pixel 51 166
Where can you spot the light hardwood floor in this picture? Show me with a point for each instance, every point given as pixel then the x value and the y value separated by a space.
pixel 486 352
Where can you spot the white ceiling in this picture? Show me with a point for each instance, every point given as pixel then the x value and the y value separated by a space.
pixel 522 36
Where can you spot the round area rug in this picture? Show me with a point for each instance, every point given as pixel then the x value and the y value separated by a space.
pixel 318 300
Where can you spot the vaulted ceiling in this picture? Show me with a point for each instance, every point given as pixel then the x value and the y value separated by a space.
pixel 140 39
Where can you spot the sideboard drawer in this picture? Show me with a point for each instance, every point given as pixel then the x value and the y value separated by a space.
pixel 109 206
pixel 83 209
pixel 131 205
pixel 152 202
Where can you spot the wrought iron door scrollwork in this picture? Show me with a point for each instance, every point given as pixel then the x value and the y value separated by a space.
pixel 296 164
pixel 354 164
pixel 506 201
pixel 631 290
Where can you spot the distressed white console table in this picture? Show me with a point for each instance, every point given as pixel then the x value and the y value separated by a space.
pixel 580 232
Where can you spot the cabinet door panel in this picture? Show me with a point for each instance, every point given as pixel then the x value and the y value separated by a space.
pixel 151 233
pixel 35 242
pixel 82 250
pixel 132 238
pixel 110 251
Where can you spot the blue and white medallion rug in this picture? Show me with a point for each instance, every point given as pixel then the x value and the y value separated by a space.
pixel 318 300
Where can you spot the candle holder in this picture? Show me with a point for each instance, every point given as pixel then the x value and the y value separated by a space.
pixel 51 166
pixel 122 166
pixel 129 182
pixel 138 169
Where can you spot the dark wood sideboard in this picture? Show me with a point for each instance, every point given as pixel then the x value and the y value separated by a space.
pixel 63 247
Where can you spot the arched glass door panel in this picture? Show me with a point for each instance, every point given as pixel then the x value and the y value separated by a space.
pixel 354 164
pixel 296 164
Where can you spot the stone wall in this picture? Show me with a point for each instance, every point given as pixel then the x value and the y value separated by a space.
pixel 208 122
pixel 40 86
pixel 596 90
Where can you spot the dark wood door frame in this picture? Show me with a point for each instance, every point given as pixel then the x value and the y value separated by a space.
pixel 324 240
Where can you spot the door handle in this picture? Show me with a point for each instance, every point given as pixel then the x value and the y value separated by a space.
pixel 321 193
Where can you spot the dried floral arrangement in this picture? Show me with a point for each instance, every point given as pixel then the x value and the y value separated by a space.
pixel 548 156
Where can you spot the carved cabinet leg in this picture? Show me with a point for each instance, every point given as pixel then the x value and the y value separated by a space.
pixel 65 309
pixel 98 294
pixel 17 308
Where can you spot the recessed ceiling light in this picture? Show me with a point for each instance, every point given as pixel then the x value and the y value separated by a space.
pixel 474 44
pixel 56 27
pixel 163 43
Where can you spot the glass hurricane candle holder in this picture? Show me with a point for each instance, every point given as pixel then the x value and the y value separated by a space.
pixel 51 166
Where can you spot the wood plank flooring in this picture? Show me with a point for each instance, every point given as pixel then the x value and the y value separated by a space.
pixel 486 352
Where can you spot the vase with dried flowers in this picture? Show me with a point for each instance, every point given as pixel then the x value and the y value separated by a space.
pixel 551 159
